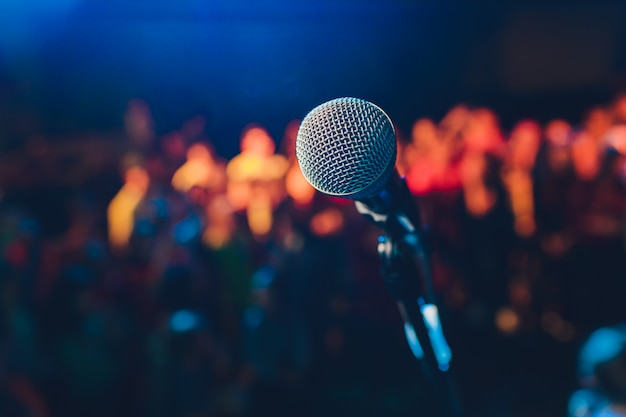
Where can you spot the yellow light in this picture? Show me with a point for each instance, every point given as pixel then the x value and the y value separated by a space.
pixel 256 180
pixel 220 223
pixel 259 214
pixel 507 320
pixel 298 188
pixel 121 210
pixel 199 170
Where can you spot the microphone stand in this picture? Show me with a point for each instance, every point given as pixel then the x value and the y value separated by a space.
pixel 404 266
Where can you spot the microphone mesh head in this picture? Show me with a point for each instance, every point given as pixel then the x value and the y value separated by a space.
pixel 347 148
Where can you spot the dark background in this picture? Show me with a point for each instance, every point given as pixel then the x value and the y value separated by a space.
pixel 68 69
pixel 74 64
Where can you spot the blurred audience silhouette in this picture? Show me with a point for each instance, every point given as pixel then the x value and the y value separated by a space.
pixel 151 276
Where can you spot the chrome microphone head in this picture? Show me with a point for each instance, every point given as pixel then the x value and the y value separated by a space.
pixel 346 147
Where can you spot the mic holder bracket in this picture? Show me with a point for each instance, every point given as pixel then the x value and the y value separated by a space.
pixel 422 328
pixel 399 270
pixel 394 211
pixel 405 268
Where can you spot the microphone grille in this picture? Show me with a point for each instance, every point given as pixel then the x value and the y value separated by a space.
pixel 346 147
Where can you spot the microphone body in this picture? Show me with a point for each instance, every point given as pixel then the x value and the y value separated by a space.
pixel 347 148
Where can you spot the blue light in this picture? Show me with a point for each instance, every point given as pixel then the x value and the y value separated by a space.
pixel 442 351
pixel 414 343
pixel 183 321
pixel 144 227
pixel 186 230
pixel 253 316
pixel 263 277
pixel 603 345
pixel 94 249
pixel 160 205
pixel 29 227
pixel 582 402
pixel 25 24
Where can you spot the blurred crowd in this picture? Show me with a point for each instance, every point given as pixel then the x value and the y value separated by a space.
pixel 185 284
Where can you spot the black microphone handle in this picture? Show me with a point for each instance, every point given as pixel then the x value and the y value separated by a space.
pixel 395 210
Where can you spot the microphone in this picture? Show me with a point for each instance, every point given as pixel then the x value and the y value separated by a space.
pixel 346 148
